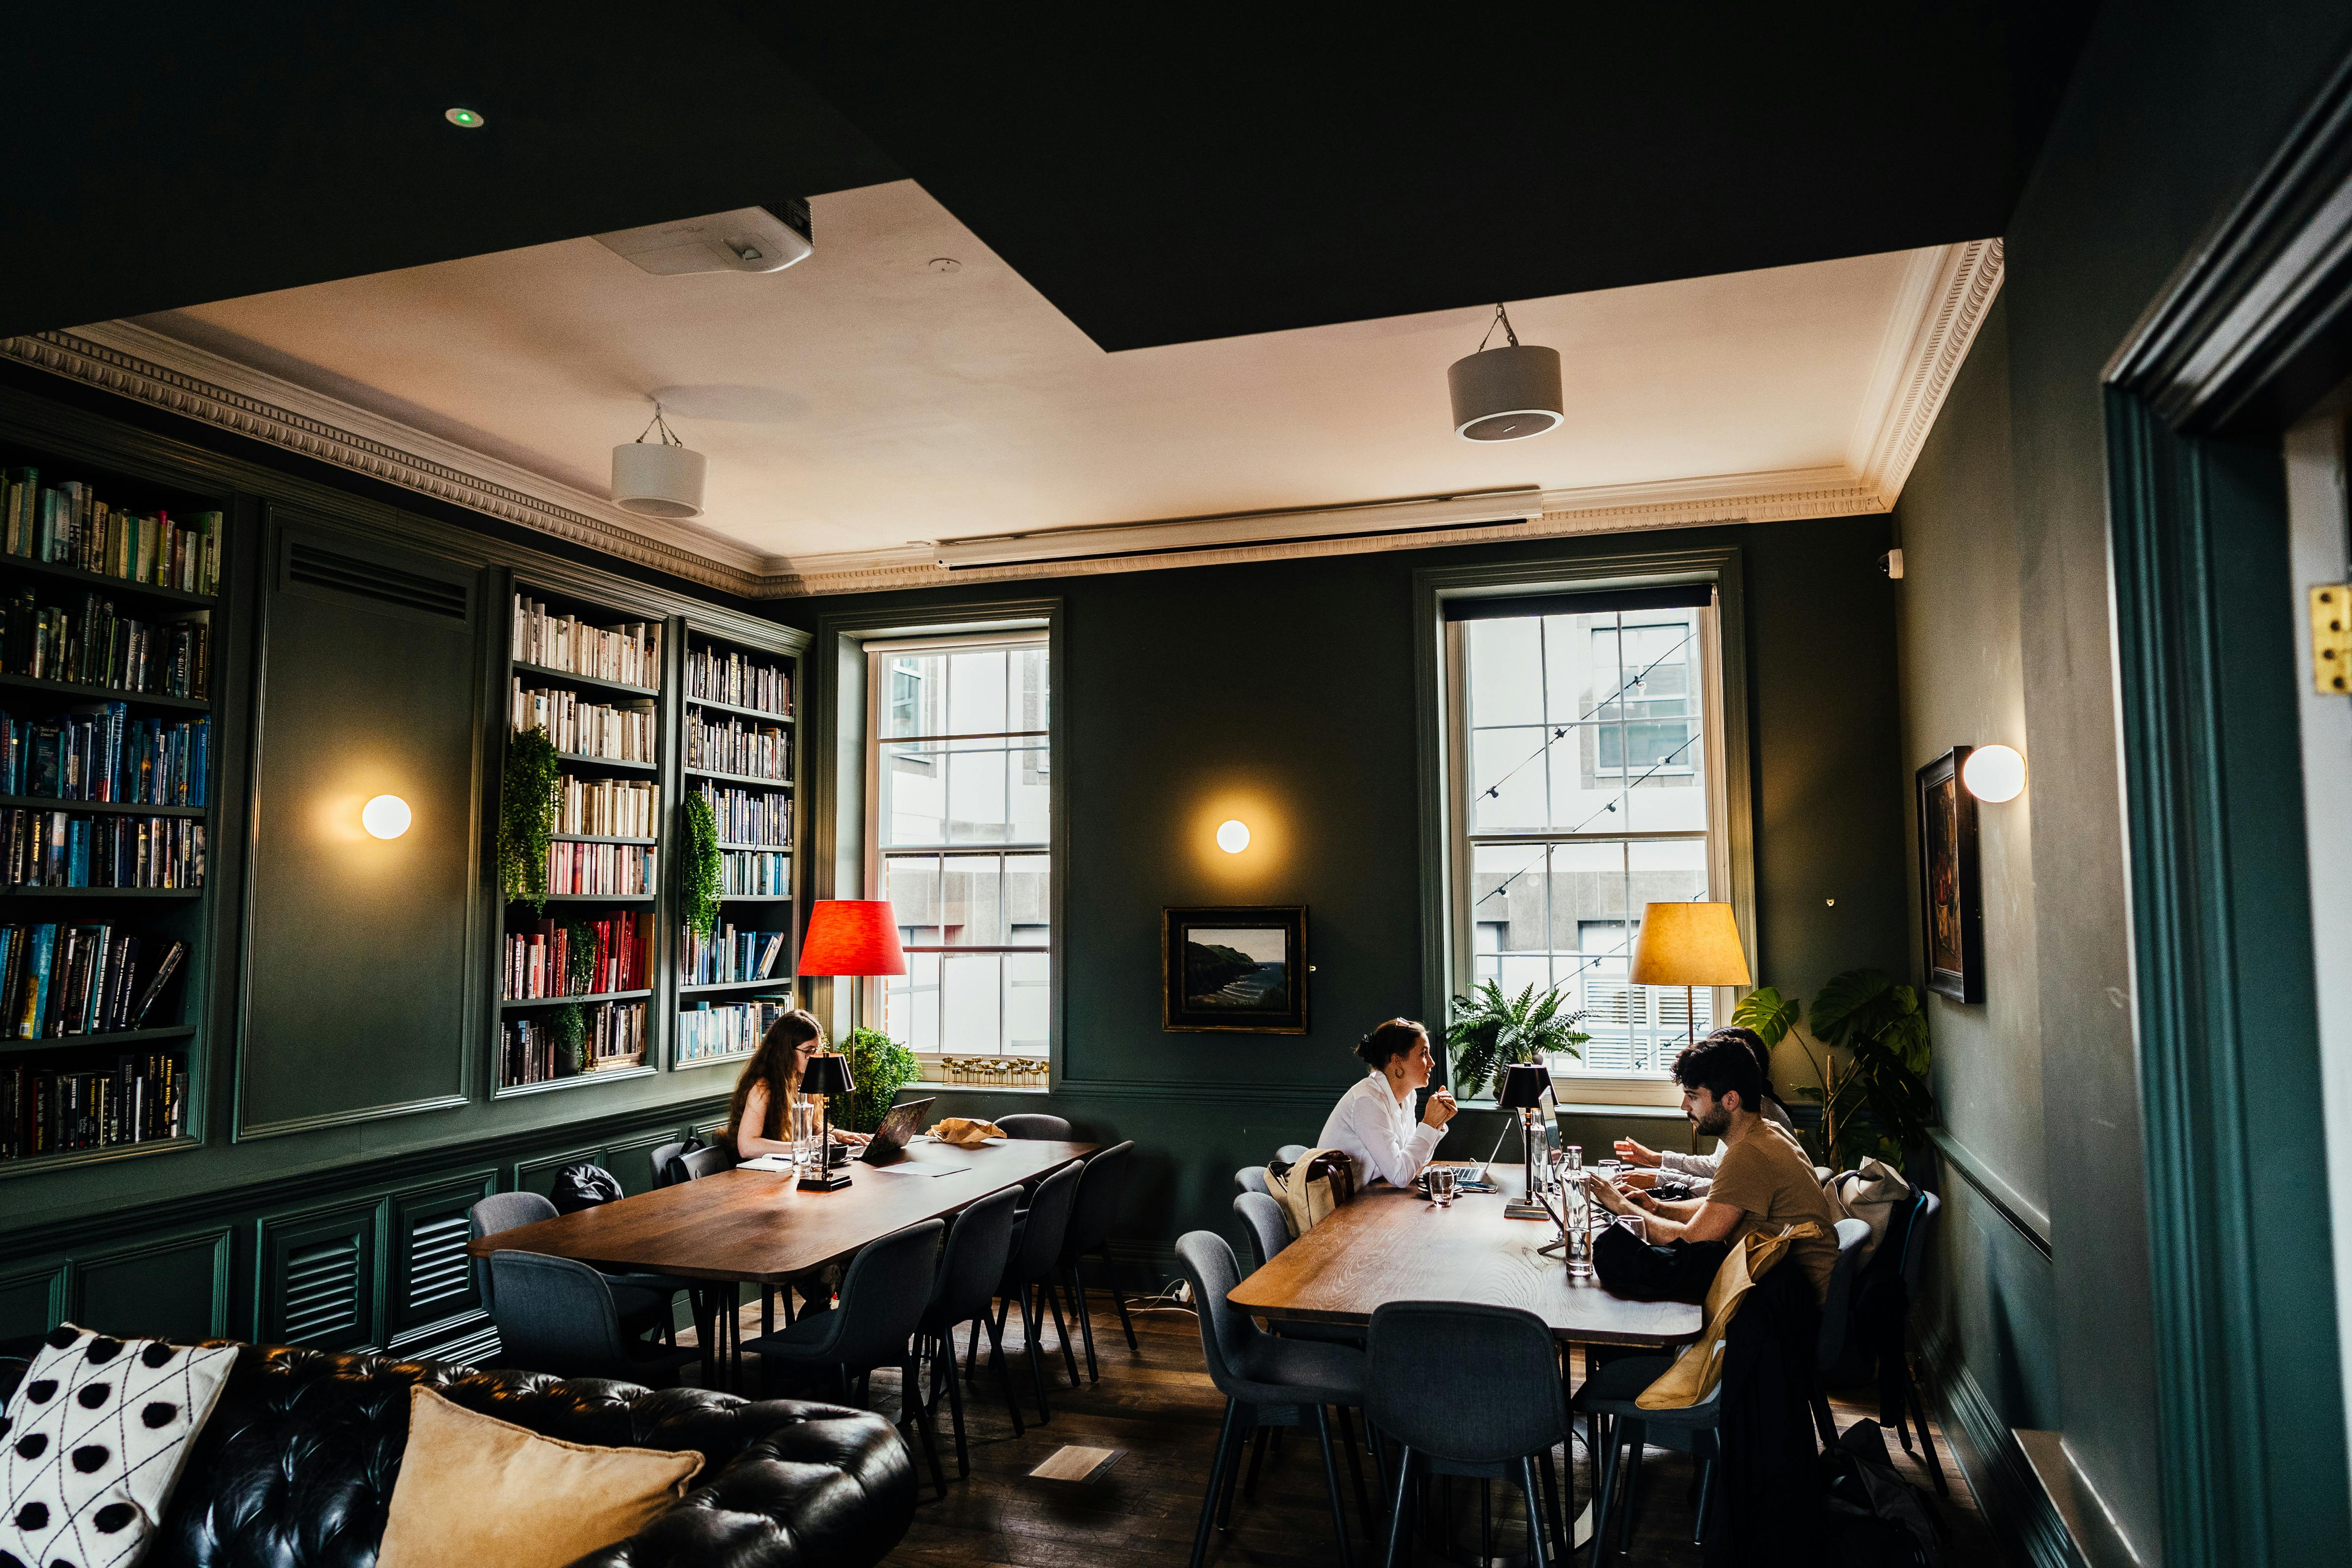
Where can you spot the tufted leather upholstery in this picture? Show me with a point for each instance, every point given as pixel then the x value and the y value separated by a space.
pixel 295 1468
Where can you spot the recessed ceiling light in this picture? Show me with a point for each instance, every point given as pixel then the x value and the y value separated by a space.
pixel 464 118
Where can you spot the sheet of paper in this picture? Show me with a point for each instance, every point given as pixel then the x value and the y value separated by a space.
pixel 768 1162
pixel 918 1167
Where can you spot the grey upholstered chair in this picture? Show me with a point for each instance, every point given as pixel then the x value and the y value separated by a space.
pixel 1915 1246
pixel 1028 1278
pixel 557 1315
pixel 1466 1390
pixel 1289 1151
pixel 1250 1178
pixel 1100 1181
pixel 501 1211
pixel 1034 1125
pixel 642 1301
pixel 1266 1382
pixel 1262 1223
pixel 663 1174
pixel 710 1160
pixel 964 1290
pixel 882 1297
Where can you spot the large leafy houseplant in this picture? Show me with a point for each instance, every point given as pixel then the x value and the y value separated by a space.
pixel 1491 1031
pixel 879 1067
pixel 1871 1060
pixel 527 816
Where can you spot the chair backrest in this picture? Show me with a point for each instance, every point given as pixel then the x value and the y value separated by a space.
pixel 1268 1232
pixel 696 1163
pixel 663 1174
pixel 1851 1235
pixel 1100 1181
pixel 1037 1244
pixel 979 1244
pixel 1033 1124
pixel 1289 1151
pixel 501 1211
pixel 883 1296
pixel 1914 1246
pixel 1250 1178
pixel 1226 1333
pixel 556 1314
pixel 1465 1382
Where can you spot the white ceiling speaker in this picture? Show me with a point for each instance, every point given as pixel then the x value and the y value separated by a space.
pixel 749 239
pixel 1507 393
pixel 661 478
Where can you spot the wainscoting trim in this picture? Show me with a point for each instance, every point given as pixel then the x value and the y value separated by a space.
pixel 2012 1500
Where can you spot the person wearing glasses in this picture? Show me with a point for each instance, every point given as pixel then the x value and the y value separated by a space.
pixel 1374 1122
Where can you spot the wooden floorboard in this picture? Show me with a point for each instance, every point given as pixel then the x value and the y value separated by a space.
pixel 1157 1407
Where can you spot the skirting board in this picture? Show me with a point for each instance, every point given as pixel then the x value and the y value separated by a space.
pixel 2020 1513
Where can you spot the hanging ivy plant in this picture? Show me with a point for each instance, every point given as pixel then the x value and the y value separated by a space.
pixel 701 865
pixel 526 817
pixel 580 943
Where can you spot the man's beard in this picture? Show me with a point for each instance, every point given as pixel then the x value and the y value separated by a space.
pixel 1714 1124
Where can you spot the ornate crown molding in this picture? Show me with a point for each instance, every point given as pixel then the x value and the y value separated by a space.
pixel 1943 301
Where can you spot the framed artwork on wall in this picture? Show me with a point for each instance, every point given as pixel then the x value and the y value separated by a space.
pixel 1951 914
pixel 1234 970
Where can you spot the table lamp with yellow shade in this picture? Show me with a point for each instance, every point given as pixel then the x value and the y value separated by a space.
pixel 1689 944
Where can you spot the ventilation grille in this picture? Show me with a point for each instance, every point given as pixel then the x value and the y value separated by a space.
pixel 321 1301
pixel 315 568
pixel 440 1275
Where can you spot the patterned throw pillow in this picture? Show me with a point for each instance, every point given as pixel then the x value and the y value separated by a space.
pixel 93 1442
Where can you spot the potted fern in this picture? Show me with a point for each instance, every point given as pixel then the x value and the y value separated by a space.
pixel 1490 1030
pixel 1869 1048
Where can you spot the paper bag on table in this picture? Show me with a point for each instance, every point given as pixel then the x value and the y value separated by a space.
pixel 964 1132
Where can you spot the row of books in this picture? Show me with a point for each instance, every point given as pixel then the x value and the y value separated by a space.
pixel 608 808
pixel 65 524
pixel 761 817
pixel 755 874
pixel 531 1049
pixel 95 645
pixel 44 1110
pixel 732 744
pixel 630 653
pixel 100 753
pixel 727 676
pixel 613 951
pixel 59 981
pixel 732 1029
pixel 58 848
pixel 623 732
pixel 728 954
pixel 617 871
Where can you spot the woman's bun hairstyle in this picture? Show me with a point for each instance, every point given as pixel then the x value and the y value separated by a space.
pixel 1389 1040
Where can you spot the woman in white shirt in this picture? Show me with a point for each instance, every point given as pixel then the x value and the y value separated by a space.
pixel 1373 1121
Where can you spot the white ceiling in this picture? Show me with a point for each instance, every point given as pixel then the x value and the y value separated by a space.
pixel 864 399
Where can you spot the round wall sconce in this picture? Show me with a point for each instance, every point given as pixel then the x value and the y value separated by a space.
pixel 1994 773
pixel 1233 836
pixel 385 817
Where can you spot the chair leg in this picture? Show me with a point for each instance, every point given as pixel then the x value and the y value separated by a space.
pixel 1356 1468
pixel 1086 1320
pixel 1553 1518
pixel 1604 1485
pixel 1396 1513
pixel 1927 1442
pixel 1256 1459
pixel 911 1408
pixel 972 1351
pixel 1051 1289
pixel 1216 1483
pixel 1535 1510
pixel 1822 1424
pixel 1030 1316
pixel 1111 1272
pixel 1331 1481
pixel 1003 1368
pixel 1705 1491
pixel 1637 1436
pixel 955 1403
pixel 1255 1435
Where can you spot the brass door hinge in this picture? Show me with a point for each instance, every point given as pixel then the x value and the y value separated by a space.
pixel 2331 639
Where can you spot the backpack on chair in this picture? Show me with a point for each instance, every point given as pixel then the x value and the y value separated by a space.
pixel 1310 1186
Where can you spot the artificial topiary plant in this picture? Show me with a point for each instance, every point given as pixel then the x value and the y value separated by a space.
pixel 880 1067
pixel 702 868
pixel 527 816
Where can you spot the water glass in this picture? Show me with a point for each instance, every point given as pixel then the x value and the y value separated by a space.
pixel 807 1134
pixel 1440 1181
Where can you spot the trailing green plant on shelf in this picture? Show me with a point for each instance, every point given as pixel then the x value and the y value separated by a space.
pixel 880 1067
pixel 1870 1051
pixel 527 800
pixel 702 867
pixel 570 1023
pixel 1491 1031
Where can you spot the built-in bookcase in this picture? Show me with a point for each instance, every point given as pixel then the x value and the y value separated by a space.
pixel 110 777
pixel 738 751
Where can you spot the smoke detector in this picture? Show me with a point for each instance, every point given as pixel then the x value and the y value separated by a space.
pixel 749 239
pixel 659 478
pixel 1507 393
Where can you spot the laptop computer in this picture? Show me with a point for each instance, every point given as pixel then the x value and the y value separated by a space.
pixel 889 1140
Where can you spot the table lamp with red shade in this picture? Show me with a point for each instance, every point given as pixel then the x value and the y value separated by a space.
pixel 857 937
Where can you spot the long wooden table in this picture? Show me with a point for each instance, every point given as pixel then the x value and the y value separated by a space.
pixel 1391 1246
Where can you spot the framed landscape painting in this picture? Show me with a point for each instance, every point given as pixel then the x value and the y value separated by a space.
pixel 1952 915
pixel 1234 970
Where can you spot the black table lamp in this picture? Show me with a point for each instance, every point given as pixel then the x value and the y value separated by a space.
pixel 824 1077
pixel 1523 1087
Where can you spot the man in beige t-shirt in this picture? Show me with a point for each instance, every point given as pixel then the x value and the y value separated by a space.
pixel 1764 1181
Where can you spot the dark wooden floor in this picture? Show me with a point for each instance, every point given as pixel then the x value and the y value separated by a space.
pixel 1156 1405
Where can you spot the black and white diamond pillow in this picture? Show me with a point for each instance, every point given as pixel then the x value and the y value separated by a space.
pixel 92 1441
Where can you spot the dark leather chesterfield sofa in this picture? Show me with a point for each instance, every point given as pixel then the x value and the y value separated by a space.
pixel 295 1467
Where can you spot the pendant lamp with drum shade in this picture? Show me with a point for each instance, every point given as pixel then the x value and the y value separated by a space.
pixel 1689 944
pixel 659 478
pixel 1506 393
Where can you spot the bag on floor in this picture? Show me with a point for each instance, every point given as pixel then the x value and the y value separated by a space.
pixel 1873 1517
pixel 583 1185
pixel 1310 1186
pixel 1697 1370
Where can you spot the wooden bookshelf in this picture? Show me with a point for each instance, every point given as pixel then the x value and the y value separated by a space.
pixel 169 1050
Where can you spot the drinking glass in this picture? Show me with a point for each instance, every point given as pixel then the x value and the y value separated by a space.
pixel 1441 1185
pixel 1577 1208
pixel 808 1132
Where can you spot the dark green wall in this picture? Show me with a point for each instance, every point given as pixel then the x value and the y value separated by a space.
pixel 1283 692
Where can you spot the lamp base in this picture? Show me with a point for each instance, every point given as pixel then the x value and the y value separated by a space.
pixel 827 1181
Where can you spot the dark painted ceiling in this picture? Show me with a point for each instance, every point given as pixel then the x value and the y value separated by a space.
pixel 1195 178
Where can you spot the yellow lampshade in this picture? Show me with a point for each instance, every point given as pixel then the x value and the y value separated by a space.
pixel 1688 945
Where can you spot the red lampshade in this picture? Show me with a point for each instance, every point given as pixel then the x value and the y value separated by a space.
pixel 852 936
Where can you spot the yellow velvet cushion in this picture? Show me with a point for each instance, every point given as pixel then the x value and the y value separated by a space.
pixel 475 1490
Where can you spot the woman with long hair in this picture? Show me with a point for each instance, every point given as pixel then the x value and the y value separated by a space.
pixel 759 1118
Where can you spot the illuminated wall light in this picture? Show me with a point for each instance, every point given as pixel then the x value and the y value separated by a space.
pixel 1233 836
pixel 1994 773
pixel 462 118
pixel 385 817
